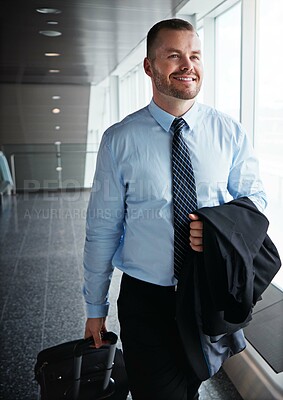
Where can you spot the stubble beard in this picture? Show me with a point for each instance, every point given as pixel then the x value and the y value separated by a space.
pixel 166 88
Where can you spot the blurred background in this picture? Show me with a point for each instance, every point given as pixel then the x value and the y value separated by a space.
pixel 68 70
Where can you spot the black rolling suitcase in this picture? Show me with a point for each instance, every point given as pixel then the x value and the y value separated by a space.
pixel 77 371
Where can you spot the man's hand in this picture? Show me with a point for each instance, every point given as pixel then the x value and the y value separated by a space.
pixel 95 327
pixel 196 233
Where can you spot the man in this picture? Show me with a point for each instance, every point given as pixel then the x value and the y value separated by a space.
pixel 130 214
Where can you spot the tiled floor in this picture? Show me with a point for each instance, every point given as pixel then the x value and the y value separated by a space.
pixel 41 244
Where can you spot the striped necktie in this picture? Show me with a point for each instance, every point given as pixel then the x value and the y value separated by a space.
pixel 184 194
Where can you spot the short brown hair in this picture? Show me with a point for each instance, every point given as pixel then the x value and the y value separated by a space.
pixel 173 24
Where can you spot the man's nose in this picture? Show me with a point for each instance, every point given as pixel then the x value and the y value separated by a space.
pixel 187 64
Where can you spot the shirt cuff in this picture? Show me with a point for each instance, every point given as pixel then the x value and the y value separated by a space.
pixel 259 202
pixel 96 311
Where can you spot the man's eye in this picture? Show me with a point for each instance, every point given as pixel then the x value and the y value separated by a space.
pixel 174 56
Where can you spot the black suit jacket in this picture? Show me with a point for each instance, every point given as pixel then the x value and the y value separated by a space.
pixel 238 263
pixel 218 288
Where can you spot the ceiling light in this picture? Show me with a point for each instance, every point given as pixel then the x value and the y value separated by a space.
pixel 44 10
pixel 57 143
pixel 59 169
pixel 56 97
pixel 52 54
pixel 52 22
pixel 56 110
pixel 54 71
pixel 50 33
pixel 57 127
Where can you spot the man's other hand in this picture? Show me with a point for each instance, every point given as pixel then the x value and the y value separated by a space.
pixel 196 233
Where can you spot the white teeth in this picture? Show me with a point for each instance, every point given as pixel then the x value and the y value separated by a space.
pixel 185 79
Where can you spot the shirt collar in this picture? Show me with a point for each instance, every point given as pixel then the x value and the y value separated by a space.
pixel 165 119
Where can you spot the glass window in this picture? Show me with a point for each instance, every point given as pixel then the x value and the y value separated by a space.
pixel 269 115
pixel 228 61
pixel 201 36
pixel 135 91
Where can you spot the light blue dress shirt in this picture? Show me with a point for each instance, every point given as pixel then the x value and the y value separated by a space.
pixel 130 219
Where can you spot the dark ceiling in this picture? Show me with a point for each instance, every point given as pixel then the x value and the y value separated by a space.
pixel 96 36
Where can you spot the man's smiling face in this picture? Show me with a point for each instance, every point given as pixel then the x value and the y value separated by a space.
pixel 176 69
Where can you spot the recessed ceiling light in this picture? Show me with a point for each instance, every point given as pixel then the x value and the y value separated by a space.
pixel 54 71
pixel 57 127
pixel 56 110
pixel 52 54
pixel 50 33
pixel 44 10
pixel 56 97
pixel 52 22
pixel 57 143
pixel 59 169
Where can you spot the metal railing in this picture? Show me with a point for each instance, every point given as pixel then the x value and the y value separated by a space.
pixel 55 160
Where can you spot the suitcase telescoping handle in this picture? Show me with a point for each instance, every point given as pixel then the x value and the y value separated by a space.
pixel 108 337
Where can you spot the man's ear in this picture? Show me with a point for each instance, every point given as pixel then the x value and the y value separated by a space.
pixel 147 67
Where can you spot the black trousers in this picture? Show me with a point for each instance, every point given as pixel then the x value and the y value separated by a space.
pixel 155 362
